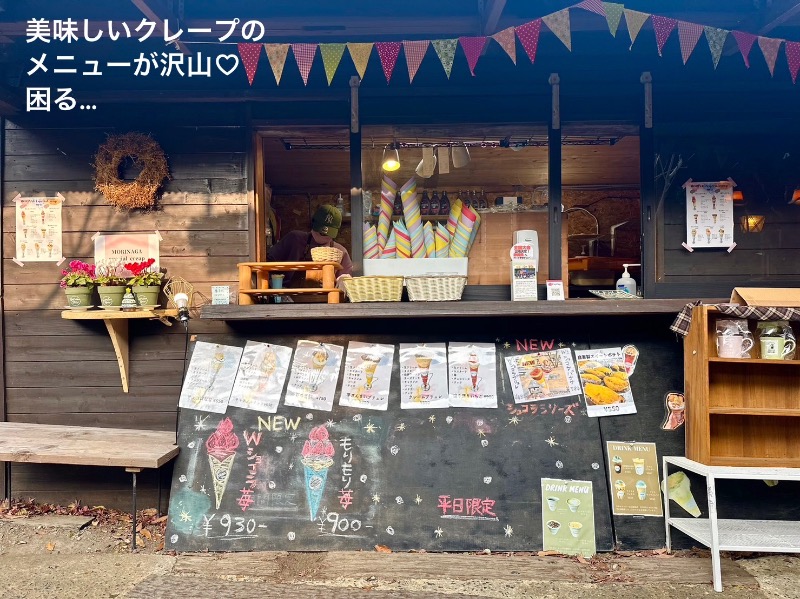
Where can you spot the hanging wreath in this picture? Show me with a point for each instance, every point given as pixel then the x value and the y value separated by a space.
pixel 144 152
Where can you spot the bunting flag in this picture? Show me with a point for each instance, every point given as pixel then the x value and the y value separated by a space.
pixel 250 54
pixel 745 42
pixel 507 42
pixel 388 53
pixel 473 46
pixel 595 6
pixel 663 27
pixel 769 48
pixel 331 57
pixel 276 53
pixel 360 52
pixel 793 58
pixel 716 40
pixel 613 15
pixel 446 51
pixel 635 20
pixel 558 23
pixel 528 35
pixel 304 57
pixel 415 52
pixel 688 35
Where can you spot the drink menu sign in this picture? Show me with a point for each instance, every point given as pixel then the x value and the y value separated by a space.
pixel 634 479
pixel 709 214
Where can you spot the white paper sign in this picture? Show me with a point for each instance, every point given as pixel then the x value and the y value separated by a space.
pixel 367 376
pixel 38 229
pixel 127 248
pixel 709 214
pixel 210 377
pixel 423 376
pixel 473 378
pixel 543 375
pixel 315 369
pixel 606 387
pixel 262 373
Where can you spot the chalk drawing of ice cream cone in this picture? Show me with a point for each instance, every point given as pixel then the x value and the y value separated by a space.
pixel 694 235
pixel 319 358
pixel 708 235
pixel 221 447
pixel 370 364
pixel 423 361
pixel 317 459
pixel 474 363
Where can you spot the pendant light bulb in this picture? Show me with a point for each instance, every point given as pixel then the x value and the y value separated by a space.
pixel 391 158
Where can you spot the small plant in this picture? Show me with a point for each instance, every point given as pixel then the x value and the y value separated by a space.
pixel 111 273
pixel 144 275
pixel 78 274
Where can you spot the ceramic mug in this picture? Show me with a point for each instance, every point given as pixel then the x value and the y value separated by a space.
pixel 733 346
pixel 776 348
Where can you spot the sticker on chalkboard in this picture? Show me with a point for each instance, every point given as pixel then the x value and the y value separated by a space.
pixel 262 372
pixel 315 369
pixel 675 404
pixel 543 375
pixel 423 376
pixel 473 375
pixel 367 376
pixel 606 384
pixel 568 517
pixel 209 379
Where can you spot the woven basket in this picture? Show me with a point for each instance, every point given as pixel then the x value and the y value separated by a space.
pixel 326 254
pixel 374 289
pixel 435 288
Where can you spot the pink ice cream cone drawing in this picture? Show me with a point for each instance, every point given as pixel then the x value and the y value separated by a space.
pixel 221 447
pixel 317 459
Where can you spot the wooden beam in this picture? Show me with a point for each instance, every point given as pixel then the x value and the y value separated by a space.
pixel 153 10
pixel 492 9
pixel 780 19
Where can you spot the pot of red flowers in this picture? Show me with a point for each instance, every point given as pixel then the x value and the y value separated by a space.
pixel 146 282
pixel 77 281
pixel 111 280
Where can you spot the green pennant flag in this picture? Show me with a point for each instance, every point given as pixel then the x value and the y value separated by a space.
pixel 446 50
pixel 613 16
pixel 331 57
pixel 716 40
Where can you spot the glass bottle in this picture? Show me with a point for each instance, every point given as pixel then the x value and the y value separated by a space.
pixel 435 203
pixel 444 204
pixel 398 205
pixel 483 203
pixel 425 204
pixel 473 200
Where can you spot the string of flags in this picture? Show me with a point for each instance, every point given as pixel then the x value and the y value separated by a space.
pixel 558 23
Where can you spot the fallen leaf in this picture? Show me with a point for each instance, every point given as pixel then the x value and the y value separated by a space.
pixel 150 512
pixel 582 560
pixel 146 534
pixel 160 547
pixel 160 520
pixel 50 546
pixel 546 553
pixel 382 549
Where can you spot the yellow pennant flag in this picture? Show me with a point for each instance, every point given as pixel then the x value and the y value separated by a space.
pixel 508 42
pixel 331 57
pixel 360 53
pixel 558 23
pixel 635 20
pixel 276 53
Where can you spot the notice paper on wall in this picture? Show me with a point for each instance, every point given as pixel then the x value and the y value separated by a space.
pixel 633 471
pixel 315 369
pixel 606 384
pixel 367 376
pixel 38 229
pixel 423 376
pixel 262 373
pixel 473 375
pixel 210 377
pixel 543 375
pixel 709 214
pixel 568 517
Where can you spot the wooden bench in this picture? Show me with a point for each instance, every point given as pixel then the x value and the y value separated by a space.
pixel 133 450
pixel 323 271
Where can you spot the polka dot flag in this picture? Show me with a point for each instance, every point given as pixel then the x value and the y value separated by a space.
pixel 688 35
pixel 793 58
pixel 473 46
pixel 663 27
pixel 745 42
pixel 250 54
pixel 388 53
pixel 528 35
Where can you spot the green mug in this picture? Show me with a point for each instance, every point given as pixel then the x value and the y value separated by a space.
pixel 776 348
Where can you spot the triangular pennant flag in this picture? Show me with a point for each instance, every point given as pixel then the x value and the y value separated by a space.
pixel 793 58
pixel 415 52
pixel 250 54
pixel 745 42
pixel 360 52
pixel 473 46
pixel 558 23
pixel 446 51
pixel 688 35
pixel 635 20
pixel 276 53
pixel 528 35
pixel 769 48
pixel 507 42
pixel 663 27
pixel 716 40
pixel 304 57
pixel 613 15
pixel 595 6
pixel 331 57
pixel 388 53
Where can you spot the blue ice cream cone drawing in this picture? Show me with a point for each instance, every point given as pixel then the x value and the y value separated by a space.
pixel 317 459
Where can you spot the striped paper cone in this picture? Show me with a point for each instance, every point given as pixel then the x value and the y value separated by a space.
pixel 474 232
pixel 403 240
pixel 455 214
pixel 390 250
pixel 371 249
pixel 388 191
pixel 441 241
pixel 412 217
pixel 430 246
pixel 460 242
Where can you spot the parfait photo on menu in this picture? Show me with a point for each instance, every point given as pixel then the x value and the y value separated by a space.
pixel 423 376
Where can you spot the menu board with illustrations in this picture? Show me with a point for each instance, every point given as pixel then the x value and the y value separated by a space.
pixel 38 229
pixel 709 214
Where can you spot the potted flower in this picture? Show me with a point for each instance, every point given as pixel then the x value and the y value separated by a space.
pixel 110 278
pixel 146 282
pixel 77 281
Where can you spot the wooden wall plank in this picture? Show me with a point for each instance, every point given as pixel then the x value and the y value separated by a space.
pixel 44 400
pixel 49 323
pixel 94 347
pixel 82 193
pixel 156 421
pixel 98 373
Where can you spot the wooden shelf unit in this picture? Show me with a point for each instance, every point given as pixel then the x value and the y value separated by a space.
pixel 739 412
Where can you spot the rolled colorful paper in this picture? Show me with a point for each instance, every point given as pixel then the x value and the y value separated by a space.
pixel 371 249
pixel 403 240
pixel 474 232
pixel 390 249
pixel 430 245
pixel 441 240
pixel 455 214
pixel 388 191
pixel 458 246
pixel 412 217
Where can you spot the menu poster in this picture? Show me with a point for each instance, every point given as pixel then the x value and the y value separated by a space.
pixel 262 372
pixel 315 370
pixel 38 229
pixel 544 375
pixel 473 375
pixel 709 214
pixel 210 377
pixel 423 376
pixel 568 516
pixel 367 376
pixel 634 479
pixel 606 387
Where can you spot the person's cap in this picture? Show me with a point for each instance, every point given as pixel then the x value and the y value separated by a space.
pixel 327 221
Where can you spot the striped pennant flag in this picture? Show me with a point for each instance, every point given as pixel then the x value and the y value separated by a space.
pixel 304 56
pixel 415 52
pixel 688 35
pixel 595 6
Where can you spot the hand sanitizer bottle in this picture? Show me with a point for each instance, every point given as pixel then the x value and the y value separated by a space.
pixel 626 282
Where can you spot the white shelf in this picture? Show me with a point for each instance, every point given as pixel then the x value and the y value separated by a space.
pixel 735 472
pixel 770 536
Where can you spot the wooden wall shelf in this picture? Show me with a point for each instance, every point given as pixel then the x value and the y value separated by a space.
pixel 117 326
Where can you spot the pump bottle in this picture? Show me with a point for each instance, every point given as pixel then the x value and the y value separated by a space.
pixel 626 282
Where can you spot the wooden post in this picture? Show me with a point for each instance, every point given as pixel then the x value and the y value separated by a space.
pixel 554 181
pixel 245 282
pixel 649 207
pixel 356 182
pixel 329 282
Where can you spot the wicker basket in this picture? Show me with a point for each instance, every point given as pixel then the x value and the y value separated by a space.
pixel 326 254
pixel 374 289
pixel 435 288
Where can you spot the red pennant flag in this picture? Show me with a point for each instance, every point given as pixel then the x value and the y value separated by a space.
pixel 250 54
pixel 688 35
pixel 304 57
pixel 388 53
pixel 663 26
pixel 793 58
pixel 595 6
pixel 473 46
pixel 415 52
pixel 528 35
pixel 745 42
